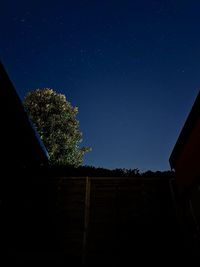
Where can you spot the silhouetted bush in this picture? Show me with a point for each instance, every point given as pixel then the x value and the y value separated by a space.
pixel 91 171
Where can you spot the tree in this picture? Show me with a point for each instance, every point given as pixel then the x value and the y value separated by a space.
pixel 55 120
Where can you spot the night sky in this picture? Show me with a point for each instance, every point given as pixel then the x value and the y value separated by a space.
pixel 132 68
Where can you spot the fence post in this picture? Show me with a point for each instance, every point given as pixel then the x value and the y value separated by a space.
pixel 86 218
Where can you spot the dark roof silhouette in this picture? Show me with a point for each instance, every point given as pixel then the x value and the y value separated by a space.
pixel 20 143
pixel 187 129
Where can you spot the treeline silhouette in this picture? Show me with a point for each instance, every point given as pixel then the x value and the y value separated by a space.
pixel 91 171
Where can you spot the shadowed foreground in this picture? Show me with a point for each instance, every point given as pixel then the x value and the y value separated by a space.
pixel 95 221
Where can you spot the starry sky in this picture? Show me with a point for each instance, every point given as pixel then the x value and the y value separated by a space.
pixel 132 68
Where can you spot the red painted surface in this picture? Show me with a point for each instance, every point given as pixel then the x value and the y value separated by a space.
pixel 187 168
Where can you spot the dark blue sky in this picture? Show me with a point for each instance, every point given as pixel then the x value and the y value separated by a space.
pixel 132 68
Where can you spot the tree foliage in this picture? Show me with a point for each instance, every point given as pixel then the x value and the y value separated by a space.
pixel 55 120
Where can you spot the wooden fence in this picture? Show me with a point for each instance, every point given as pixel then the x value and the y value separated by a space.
pixel 114 220
pixel 88 220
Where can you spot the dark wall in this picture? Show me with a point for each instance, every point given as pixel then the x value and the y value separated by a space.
pixel 187 168
pixel 19 144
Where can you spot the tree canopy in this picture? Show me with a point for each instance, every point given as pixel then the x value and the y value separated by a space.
pixel 55 120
